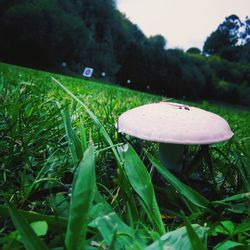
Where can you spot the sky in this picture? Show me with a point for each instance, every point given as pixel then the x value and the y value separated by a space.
pixel 183 23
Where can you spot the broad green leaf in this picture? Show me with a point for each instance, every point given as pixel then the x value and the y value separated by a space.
pixel 225 227
pixel 182 188
pixel 177 239
pixel 226 245
pixel 111 224
pixel 83 193
pixel 29 239
pixel 40 227
pixel 141 182
pixel 106 220
pixel 74 142
pixel 100 209
pixel 243 227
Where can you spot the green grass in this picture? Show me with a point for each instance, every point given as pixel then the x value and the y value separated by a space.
pixel 68 179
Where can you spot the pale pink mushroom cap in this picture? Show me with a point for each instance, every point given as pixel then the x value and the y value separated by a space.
pixel 175 123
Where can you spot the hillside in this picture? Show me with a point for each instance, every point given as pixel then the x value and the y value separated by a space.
pixel 100 94
pixel 69 179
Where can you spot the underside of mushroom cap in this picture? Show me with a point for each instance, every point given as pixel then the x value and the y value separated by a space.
pixel 169 122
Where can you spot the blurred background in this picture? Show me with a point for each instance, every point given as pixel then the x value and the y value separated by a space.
pixel 66 36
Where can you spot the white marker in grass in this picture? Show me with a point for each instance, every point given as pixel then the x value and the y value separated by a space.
pixel 88 72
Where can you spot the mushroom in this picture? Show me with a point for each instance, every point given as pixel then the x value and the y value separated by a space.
pixel 174 125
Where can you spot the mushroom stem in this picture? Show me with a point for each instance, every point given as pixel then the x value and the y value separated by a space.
pixel 171 155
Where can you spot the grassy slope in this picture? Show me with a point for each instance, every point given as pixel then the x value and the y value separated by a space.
pixel 109 101
pixel 34 136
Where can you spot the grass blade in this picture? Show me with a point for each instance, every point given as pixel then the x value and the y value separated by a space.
pixel 93 117
pixel 74 142
pixel 195 240
pixel 82 197
pixel 83 137
pixel 237 197
pixel 30 240
pixel 238 203
pixel 185 190
pixel 123 179
pixel 141 182
pixel 41 174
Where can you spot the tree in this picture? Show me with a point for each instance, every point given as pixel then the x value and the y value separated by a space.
pixel 157 41
pixel 225 40
pixel 41 34
pixel 245 33
pixel 194 50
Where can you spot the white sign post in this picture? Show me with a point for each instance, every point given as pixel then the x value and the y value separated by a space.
pixel 88 72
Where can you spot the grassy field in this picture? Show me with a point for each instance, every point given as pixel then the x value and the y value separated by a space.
pixel 69 180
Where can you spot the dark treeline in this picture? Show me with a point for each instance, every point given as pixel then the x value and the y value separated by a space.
pixel 68 35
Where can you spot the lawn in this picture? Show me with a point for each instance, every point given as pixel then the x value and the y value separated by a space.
pixel 69 179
